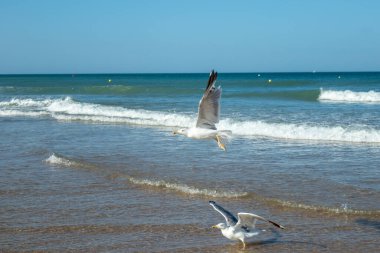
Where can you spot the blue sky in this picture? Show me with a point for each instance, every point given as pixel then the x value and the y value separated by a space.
pixel 111 36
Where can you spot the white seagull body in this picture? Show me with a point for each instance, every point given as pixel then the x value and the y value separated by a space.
pixel 208 116
pixel 241 228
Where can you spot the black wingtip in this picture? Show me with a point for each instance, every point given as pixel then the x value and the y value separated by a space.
pixel 277 225
pixel 213 74
pixel 211 79
pixel 211 202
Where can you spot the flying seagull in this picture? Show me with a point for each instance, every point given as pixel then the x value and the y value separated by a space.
pixel 208 116
pixel 241 228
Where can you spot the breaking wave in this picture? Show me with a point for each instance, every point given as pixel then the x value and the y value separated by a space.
pixel 302 131
pixel 16 113
pixel 67 109
pixel 61 161
pixel 342 209
pixel 183 188
pixel 58 160
pixel 277 203
pixel 349 96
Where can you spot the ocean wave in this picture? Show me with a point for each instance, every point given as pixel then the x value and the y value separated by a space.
pixel 61 161
pixel 183 188
pixel 67 109
pixel 291 131
pixel 58 160
pixel 302 95
pixel 28 102
pixel 72 110
pixel 17 113
pixel 349 96
pixel 342 209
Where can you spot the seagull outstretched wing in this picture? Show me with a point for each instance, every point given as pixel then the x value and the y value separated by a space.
pixel 230 218
pixel 209 105
pixel 248 221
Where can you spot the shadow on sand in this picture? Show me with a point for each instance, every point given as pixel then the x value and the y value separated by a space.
pixel 276 240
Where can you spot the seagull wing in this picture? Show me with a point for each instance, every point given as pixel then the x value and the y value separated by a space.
pixel 209 105
pixel 230 218
pixel 247 221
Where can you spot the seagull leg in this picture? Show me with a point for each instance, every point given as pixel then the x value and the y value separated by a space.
pixel 243 244
pixel 220 144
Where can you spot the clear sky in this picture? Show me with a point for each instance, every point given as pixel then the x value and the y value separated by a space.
pixel 115 36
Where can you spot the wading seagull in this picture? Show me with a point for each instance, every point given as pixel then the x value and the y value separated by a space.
pixel 241 228
pixel 208 116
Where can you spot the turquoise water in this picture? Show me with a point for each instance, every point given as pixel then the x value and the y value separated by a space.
pixel 93 156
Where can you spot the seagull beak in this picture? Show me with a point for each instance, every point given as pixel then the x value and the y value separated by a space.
pixel 175 132
pixel 214 226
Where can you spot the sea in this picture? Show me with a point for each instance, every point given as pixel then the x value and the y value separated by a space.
pixel 89 162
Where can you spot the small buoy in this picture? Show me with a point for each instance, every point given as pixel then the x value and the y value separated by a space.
pixel 338 77
pixel 270 80
pixel 258 75
pixel 109 80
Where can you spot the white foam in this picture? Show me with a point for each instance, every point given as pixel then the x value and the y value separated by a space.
pixel 14 113
pixel 56 160
pixel 28 102
pixel 302 131
pixel 349 96
pixel 94 112
pixel 69 110
pixel 343 209
pixel 183 188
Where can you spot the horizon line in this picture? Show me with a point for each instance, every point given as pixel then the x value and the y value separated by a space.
pixel 180 73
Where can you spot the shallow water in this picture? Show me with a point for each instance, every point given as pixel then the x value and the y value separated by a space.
pixel 87 165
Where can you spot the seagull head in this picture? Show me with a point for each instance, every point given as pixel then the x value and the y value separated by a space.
pixel 220 226
pixel 182 131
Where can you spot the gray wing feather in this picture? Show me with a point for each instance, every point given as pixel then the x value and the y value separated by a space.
pixel 209 105
pixel 248 220
pixel 230 218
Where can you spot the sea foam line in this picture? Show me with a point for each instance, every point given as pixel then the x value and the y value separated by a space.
pixel 292 131
pixel 69 110
pixel 183 188
pixel 343 209
pixel 349 96
pixel 13 113
pixel 59 160
pixel 28 102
